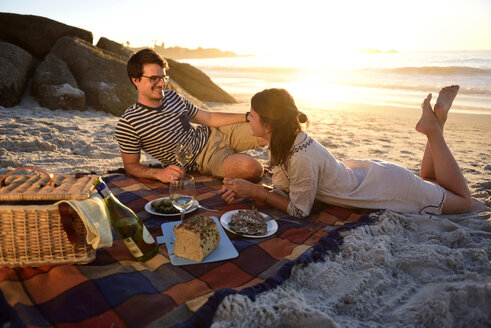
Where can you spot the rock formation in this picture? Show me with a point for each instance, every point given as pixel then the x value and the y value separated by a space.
pixel 100 75
pixel 54 86
pixel 115 48
pixel 197 83
pixel 74 74
pixel 16 65
pixel 36 34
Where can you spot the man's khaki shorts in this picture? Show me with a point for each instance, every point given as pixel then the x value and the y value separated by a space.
pixel 222 142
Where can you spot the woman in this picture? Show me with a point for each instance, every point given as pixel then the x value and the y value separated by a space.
pixel 303 170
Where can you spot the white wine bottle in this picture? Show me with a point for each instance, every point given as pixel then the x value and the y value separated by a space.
pixel 127 225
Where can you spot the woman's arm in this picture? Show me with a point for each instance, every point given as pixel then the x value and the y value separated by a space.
pixel 304 175
pixel 234 188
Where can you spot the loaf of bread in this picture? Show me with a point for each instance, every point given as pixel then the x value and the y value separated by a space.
pixel 196 238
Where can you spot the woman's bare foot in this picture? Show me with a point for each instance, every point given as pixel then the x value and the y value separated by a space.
pixel 444 102
pixel 428 123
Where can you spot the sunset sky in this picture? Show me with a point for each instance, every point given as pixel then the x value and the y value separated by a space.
pixel 277 26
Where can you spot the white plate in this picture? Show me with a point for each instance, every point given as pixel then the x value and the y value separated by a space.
pixel 149 209
pixel 272 226
pixel 224 251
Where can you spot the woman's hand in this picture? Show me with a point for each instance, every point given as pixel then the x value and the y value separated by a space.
pixel 235 189
pixel 229 195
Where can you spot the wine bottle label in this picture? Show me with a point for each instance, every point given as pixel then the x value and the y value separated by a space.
pixel 103 191
pixel 147 237
pixel 133 247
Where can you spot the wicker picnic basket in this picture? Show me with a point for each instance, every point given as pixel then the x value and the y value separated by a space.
pixel 32 232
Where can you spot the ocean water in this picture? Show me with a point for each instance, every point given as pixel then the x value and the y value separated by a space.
pixel 400 80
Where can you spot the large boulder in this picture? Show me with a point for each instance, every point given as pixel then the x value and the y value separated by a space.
pixel 114 47
pixel 36 34
pixel 15 67
pixel 193 100
pixel 197 83
pixel 100 75
pixel 54 86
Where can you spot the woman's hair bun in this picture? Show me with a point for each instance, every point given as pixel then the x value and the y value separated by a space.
pixel 302 118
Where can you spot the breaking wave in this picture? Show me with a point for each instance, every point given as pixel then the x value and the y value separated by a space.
pixel 433 70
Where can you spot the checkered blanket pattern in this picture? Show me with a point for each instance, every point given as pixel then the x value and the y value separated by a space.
pixel 116 291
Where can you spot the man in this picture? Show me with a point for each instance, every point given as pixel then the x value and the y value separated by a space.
pixel 160 121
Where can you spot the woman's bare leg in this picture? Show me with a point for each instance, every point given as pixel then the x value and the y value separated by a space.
pixel 442 106
pixel 447 172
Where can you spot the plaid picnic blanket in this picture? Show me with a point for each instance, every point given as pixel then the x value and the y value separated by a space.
pixel 117 291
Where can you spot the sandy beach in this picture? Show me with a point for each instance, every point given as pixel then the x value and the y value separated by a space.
pixel 402 271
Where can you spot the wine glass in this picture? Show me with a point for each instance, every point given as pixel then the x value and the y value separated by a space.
pixel 184 154
pixel 182 193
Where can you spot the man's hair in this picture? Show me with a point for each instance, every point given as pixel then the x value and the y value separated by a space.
pixel 142 57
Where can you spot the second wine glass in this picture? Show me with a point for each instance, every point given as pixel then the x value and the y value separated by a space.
pixel 182 193
pixel 184 154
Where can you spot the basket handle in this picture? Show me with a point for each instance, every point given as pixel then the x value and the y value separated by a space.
pixel 50 175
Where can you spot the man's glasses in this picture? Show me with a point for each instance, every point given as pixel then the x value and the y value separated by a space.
pixel 156 79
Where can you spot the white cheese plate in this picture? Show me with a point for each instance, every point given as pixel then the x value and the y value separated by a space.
pixel 224 251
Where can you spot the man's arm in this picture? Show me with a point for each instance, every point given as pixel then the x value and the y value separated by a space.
pixel 217 119
pixel 133 167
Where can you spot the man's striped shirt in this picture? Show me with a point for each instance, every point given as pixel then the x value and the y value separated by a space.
pixel 158 131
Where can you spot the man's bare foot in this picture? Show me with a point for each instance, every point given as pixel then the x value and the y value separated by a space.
pixel 428 122
pixel 444 102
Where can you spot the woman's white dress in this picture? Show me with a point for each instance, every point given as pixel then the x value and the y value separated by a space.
pixel 312 173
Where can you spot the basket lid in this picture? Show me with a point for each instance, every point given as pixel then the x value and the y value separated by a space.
pixel 45 187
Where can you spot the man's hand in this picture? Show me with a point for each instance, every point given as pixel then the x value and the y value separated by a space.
pixel 133 167
pixel 171 172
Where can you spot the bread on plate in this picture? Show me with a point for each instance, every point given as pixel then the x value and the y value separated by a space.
pixel 196 237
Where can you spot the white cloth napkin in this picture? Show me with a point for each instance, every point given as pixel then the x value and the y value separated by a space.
pixel 94 215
